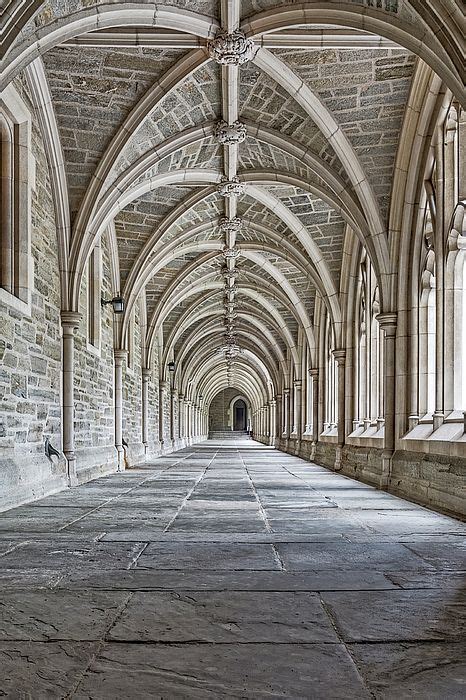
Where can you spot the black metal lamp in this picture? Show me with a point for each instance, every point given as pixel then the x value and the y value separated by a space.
pixel 171 366
pixel 118 303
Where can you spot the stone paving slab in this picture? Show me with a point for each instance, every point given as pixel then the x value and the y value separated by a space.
pixel 216 671
pixel 426 671
pixel 33 670
pixel 140 579
pixel 72 555
pixel 349 556
pixel 408 615
pixel 216 557
pixel 221 617
pixel 59 615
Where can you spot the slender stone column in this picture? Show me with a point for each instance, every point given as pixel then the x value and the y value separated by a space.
pixel 388 322
pixel 314 372
pixel 173 396
pixel 340 357
pixel 69 321
pixel 297 409
pixel 189 431
pixel 279 417
pixel 286 410
pixel 272 421
pixel 163 387
pixel 145 407
pixel 180 416
pixel 119 355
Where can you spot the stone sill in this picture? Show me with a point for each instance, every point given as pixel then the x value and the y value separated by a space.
pixel 371 432
pixel 365 440
pixel 328 437
pixel 431 444
pixel 449 431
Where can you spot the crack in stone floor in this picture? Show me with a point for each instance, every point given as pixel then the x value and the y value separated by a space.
pixel 230 570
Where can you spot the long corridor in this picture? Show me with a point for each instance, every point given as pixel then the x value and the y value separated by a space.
pixel 230 570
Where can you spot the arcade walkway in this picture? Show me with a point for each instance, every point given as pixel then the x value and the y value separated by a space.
pixel 230 570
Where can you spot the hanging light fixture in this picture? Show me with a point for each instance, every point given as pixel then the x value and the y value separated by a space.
pixel 171 366
pixel 118 303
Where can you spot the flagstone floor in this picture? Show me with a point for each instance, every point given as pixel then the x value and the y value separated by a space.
pixel 230 570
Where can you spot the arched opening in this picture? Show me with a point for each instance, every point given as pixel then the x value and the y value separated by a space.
pixel 239 415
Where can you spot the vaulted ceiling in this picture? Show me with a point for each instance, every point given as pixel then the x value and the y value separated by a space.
pixel 228 184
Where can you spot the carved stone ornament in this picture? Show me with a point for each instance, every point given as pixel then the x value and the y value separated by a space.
pixel 234 225
pixel 230 188
pixel 229 274
pixel 230 49
pixel 231 252
pixel 229 134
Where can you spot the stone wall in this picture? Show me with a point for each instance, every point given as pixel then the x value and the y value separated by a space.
pixel 94 397
pixel 434 480
pixel 218 412
pixel 30 356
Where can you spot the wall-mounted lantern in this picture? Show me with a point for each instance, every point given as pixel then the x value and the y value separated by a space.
pixel 171 366
pixel 118 303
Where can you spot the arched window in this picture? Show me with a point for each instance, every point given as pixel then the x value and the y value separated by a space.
pixel 331 378
pixel 15 243
pixel 309 398
pixel 368 350
pixel 442 284
pixel 455 327
pixel 427 335
pixel 94 294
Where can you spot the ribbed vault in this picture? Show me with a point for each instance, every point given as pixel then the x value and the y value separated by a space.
pixel 227 186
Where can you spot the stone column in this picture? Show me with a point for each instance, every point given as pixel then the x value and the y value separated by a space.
pixel 388 322
pixel 180 416
pixel 189 431
pixel 119 355
pixel 145 407
pixel 163 387
pixel 340 357
pixel 297 410
pixel 69 322
pixel 279 417
pixel 272 421
pixel 286 411
pixel 314 372
pixel 173 395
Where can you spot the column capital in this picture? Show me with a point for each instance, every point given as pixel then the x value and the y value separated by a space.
pixel 297 383
pixel 119 355
pixel 286 392
pixel 181 397
pixel 70 319
pixel 146 372
pixel 339 355
pixel 388 322
pixel 174 391
pixel 164 385
pixel 314 372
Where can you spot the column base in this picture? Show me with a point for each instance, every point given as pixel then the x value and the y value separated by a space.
pixel 386 475
pixel 338 455
pixel 71 473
